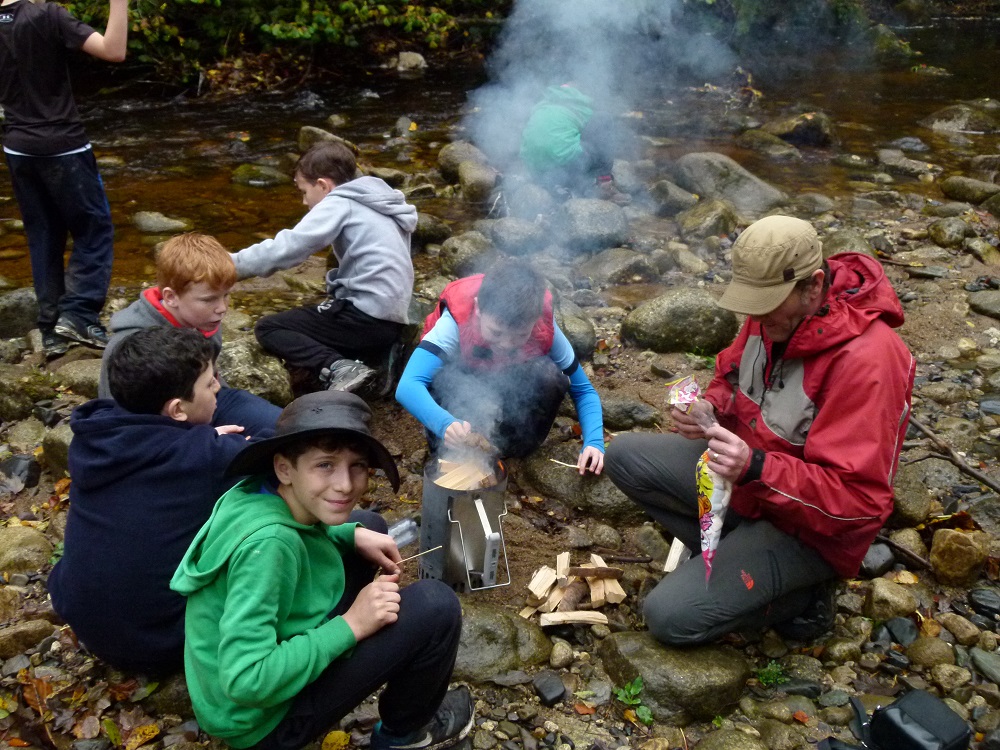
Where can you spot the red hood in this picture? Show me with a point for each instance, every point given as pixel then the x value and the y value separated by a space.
pixel 859 295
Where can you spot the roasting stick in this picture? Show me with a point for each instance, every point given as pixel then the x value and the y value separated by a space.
pixel 563 463
pixel 411 557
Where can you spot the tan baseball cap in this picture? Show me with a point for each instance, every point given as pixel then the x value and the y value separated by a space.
pixel 768 258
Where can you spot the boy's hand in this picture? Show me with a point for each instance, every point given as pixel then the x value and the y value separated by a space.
pixel 456 434
pixel 378 549
pixel 691 424
pixel 590 458
pixel 376 606
pixel 229 429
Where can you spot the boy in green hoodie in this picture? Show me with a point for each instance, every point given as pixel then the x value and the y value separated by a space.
pixel 286 630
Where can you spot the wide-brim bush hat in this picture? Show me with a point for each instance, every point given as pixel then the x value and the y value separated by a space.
pixel 769 257
pixel 333 413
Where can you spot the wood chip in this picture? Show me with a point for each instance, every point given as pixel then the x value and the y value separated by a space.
pixel 583 618
pixel 527 612
pixel 542 582
pixel 562 568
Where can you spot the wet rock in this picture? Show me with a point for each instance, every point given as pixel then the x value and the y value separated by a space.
pixel 494 642
pixel 55 449
pixel 904 631
pixel 18 312
pixel 589 224
pixel 681 685
pixel 682 320
pixel 562 654
pixel 310 135
pixel 622 413
pixel 986 663
pixel 805 128
pixel 964 631
pixel 81 376
pixel 731 739
pixel 23 549
pixel 409 62
pixel 651 542
pixel 453 154
pixel 687 261
pixel 878 561
pixel 709 218
pixel 910 540
pixel 396 178
pixel 670 199
pixel 929 652
pixel 948 677
pixel 22 636
pixel 606 536
pixel 519 236
pixel 618 265
pixel 476 180
pixel 985 602
pixel 968 190
pixel 153 222
pixel 814 203
pixel 957 557
pixel 893 160
pixel 246 366
pixel 944 392
pixel 847 241
pixel 802 667
pixel 577 326
pixel 430 230
pixel 949 232
pixel 548 687
pixel 910 143
pixel 840 650
pixel 527 200
pixel 778 735
pixel 886 600
pixel 961 118
pixel 260 176
pixel 717 176
pixel 467 253
pixel 768 144
pixel 982 251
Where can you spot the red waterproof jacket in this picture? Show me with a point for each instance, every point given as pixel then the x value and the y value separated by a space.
pixel 459 299
pixel 830 414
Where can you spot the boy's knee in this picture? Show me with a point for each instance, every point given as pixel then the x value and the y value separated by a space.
pixel 433 599
pixel 370 520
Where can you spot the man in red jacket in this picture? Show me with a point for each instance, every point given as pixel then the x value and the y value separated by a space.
pixel 808 408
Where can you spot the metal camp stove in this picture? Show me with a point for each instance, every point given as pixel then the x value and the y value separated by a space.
pixel 467 523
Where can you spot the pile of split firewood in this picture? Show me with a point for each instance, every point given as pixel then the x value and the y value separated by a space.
pixel 571 594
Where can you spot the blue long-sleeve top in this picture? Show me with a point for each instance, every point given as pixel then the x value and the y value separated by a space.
pixel 414 394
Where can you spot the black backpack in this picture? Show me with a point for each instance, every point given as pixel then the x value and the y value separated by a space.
pixel 917 721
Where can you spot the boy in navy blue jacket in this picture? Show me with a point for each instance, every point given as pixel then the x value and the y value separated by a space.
pixel 147 468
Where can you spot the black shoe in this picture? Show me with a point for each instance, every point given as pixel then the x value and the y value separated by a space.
pixel 55 345
pixel 815 619
pixel 450 725
pixel 391 370
pixel 93 335
pixel 346 375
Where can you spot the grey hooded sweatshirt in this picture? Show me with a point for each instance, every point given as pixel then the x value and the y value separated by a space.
pixel 369 225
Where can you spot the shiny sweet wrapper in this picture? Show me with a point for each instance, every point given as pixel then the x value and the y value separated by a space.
pixel 713 499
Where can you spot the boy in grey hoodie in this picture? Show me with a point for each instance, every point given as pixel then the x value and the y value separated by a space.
pixel 369 225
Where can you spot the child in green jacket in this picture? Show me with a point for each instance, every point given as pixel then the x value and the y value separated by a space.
pixel 286 630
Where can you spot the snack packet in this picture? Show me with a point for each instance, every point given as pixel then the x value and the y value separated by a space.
pixel 713 491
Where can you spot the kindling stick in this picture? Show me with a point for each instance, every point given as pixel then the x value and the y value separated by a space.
pixel 563 463
pixel 411 557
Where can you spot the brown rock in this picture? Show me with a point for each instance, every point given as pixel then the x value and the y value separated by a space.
pixel 19 638
pixel 958 556
pixel 886 600
pixel 929 652
pixel 9 602
pixel 964 631
pixel 23 549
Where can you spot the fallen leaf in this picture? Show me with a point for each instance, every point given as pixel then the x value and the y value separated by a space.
pixel 535 499
pixel 35 693
pixel 336 740
pixel 141 735
pixel 62 486
pixel 903 577
pixel 801 716
pixel 122 690
pixel 930 628
pixel 583 709
pixel 111 730
pixel 88 728
pixel 17 742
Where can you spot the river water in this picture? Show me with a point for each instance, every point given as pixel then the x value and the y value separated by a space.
pixel 177 156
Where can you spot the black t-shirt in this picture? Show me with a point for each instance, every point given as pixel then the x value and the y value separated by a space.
pixel 36 42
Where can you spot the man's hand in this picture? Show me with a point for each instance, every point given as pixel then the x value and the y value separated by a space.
pixel 376 606
pixel 456 434
pixel 378 549
pixel 728 455
pixel 693 422
pixel 590 458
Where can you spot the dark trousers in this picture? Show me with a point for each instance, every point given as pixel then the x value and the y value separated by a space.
pixel 61 196
pixel 313 337
pixel 760 575
pixel 413 658
pixel 256 415
pixel 514 407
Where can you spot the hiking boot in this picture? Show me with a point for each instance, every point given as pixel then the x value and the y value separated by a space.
pixel 450 725
pixel 93 335
pixel 815 619
pixel 607 191
pixel 391 370
pixel 55 345
pixel 346 375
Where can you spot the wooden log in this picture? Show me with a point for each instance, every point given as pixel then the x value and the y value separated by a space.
pixel 465 477
pixel 574 593
pixel 678 554
pixel 555 596
pixel 582 618
pixel 613 591
pixel 588 571
pixel 562 568
pixel 597 598
pixel 542 582
pixel 527 612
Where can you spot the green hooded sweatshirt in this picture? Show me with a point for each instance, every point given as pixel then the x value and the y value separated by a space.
pixel 260 587
pixel 551 137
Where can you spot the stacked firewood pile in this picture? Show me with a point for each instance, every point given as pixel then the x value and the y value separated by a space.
pixel 572 594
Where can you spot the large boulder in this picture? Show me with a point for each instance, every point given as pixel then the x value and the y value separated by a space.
pixel 526 200
pixel 477 181
pixel 770 145
pixel 805 128
pixel 682 320
pixel 708 218
pixel 18 312
pixel 451 156
pixel 430 230
pixel 260 176
pixel 310 135
pixel 467 253
pixel 81 376
pixel 494 641
pixel 968 190
pixel 618 265
pixel 680 685
pixel 895 161
pixel 717 176
pixel 245 365
pixel 577 326
pixel 515 236
pixel 958 556
pixel 590 224
pixel 20 387
pixel 962 118
pixel 950 231
pixel 671 199
pixel 18 638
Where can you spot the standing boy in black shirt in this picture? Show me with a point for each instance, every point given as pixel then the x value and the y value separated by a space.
pixel 52 167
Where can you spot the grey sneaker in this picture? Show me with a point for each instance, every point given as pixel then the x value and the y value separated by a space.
pixel 450 725
pixel 55 345
pixel 346 375
pixel 93 335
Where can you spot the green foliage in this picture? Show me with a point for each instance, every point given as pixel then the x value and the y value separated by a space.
pixel 717 722
pixel 57 553
pixel 771 674
pixel 629 695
